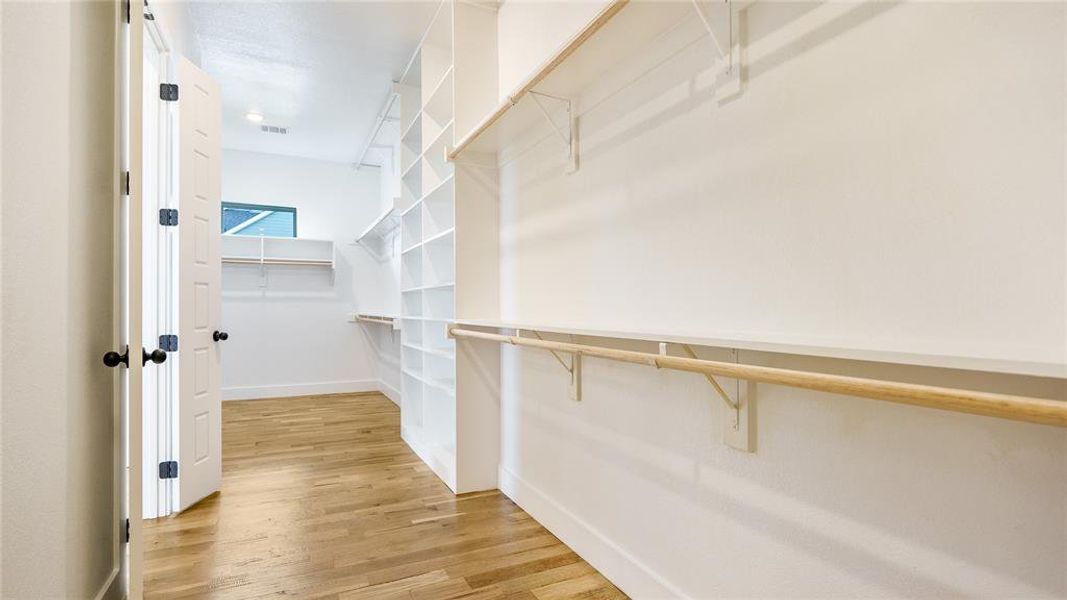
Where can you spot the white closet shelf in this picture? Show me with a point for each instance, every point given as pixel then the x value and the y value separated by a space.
pixel 386 115
pixel 381 227
pixel 620 30
pixel 443 236
pixel 413 134
pixel 445 385
pixel 414 206
pixel 440 188
pixel 436 351
pixel 438 143
pixel 268 251
pixel 412 75
pixel 819 348
pixel 412 169
pixel 441 92
pixel 270 260
pixel 433 286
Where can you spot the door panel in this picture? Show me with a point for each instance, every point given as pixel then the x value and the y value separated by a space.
pixel 130 291
pixel 199 282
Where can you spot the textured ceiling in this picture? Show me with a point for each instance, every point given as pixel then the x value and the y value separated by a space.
pixel 321 69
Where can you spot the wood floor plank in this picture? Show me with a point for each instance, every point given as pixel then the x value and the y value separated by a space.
pixel 322 499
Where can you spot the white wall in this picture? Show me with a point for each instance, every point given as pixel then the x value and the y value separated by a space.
pixel 58 457
pixel 534 29
pixel 173 16
pixel 292 336
pixel 891 177
pixel 386 300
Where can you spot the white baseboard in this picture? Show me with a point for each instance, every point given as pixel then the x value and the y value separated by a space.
pixel 632 576
pixel 300 389
pixel 389 392
pixel 111 588
pixel 438 460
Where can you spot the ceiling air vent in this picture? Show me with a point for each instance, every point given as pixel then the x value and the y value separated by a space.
pixel 273 129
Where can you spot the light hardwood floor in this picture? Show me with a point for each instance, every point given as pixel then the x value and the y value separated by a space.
pixel 322 499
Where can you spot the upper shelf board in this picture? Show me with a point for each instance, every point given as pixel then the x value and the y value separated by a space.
pixel 620 31
pixel 381 227
pixel 819 348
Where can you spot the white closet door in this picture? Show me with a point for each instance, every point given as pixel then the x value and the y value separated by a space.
pixel 199 281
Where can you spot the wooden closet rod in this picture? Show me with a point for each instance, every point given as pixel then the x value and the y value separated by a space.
pixel 375 319
pixel 1015 408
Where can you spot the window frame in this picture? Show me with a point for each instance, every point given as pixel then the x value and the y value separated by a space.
pixel 260 207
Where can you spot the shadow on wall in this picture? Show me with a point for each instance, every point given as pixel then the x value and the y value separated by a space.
pixel 668 83
pixel 913 501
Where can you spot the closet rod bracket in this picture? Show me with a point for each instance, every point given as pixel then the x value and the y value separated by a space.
pixel 728 79
pixel 738 429
pixel 574 369
pixel 570 138
pixel 731 404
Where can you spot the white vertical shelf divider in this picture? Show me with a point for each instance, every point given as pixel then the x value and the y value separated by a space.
pixel 453 70
pixel 427 259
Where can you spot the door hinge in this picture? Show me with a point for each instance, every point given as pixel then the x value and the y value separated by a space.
pixel 168 469
pixel 168 343
pixel 127 183
pixel 127 9
pixel 127 535
pixel 168 217
pixel 168 92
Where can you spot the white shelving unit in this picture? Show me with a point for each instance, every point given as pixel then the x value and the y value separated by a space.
pixel 438 200
pixel 275 251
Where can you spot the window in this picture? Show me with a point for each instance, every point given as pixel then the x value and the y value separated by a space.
pixel 258 220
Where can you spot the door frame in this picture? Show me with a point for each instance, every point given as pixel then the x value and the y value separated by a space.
pixel 128 270
pixel 159 416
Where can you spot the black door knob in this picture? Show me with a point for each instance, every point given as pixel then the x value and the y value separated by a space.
pixel 157 356
pixel 114 359
pixel 220 336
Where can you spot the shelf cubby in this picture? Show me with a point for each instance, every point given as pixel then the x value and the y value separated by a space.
pixel 412 330
pixel 437 113
pixel 438 210
pixel 411 303
pixel 410 270
pixel 436 168
pixel 439 259
pixel 438 303
pixel 411 228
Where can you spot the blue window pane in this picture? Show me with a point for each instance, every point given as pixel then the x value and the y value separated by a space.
pixel 258 220
pixel 232 217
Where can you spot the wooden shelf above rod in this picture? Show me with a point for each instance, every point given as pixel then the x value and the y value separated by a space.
pixel 1015 408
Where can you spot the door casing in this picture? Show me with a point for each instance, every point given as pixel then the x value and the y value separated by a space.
pixel 129 265
pixel 160 254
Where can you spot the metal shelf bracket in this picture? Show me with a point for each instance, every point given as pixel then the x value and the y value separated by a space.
pixel 574 369
pixel 739 424
pixel 570 138
pixel 728 80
